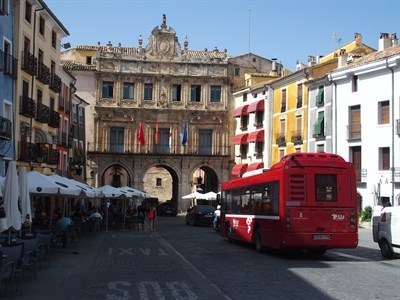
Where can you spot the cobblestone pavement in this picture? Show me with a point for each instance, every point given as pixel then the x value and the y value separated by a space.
pixel 184 262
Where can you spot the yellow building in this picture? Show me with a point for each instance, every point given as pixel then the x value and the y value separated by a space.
pixel 288 97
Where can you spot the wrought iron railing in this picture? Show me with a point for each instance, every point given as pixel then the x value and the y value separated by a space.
pixel 42 113
pixel 297 137
pixel 29 63
pixel 43 74
pixel 55 82
pixel 27 107
pixel 136 148
pixel 54 119
pixel 280 140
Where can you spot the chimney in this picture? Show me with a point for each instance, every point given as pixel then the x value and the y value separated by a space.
pixel 358 38
pixel 394 39
pixel 384 41
pixel 342 60
pixel 311 60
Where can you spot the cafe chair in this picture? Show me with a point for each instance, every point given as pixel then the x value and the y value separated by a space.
pixel 14 253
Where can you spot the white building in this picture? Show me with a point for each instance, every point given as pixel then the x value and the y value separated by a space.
pixel 366 131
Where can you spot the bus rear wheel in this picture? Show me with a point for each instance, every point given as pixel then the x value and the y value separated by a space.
pixel 386 249
pixel 257 241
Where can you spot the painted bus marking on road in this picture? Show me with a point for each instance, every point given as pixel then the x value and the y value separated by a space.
pixel 121 290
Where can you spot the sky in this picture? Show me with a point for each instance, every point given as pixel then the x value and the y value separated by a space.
pixel 289 30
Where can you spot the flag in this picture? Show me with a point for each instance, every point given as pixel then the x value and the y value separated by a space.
pixel 184 134
pixel 170 137
pixel 140 134
pixel 156 137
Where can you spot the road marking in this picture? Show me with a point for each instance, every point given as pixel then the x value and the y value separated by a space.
pixel 210 289
pixel 119 290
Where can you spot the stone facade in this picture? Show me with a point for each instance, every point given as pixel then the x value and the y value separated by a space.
pixel 154 91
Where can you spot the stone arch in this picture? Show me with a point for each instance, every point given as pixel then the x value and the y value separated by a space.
pixel 176 175
pixel 212 175
pixel 116 169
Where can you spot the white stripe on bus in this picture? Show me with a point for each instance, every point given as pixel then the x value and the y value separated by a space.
pixel 253 216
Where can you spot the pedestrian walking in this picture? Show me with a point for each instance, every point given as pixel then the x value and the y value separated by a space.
pixel 152 217
pixel 141 214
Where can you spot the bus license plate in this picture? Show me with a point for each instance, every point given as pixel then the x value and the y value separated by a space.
pixel 321 237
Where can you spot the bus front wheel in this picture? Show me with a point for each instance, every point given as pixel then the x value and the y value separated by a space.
pixel 257 241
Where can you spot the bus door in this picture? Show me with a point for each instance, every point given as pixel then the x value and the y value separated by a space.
pixel 266 211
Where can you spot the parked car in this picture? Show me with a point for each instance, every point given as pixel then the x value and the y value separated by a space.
pixel 166 209
pixel 200 215
pixel 386 230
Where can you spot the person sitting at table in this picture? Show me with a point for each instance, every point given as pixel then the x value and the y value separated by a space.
pixel 62 225
pixel 95 215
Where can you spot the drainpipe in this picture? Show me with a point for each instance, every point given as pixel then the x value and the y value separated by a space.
pixel 393 128
pixel 33 76
pixel 335 110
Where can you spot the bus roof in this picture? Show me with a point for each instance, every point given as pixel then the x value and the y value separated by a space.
pixel 295 159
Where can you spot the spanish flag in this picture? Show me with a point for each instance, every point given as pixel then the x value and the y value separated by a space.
pixel 156 134
pixel 140 134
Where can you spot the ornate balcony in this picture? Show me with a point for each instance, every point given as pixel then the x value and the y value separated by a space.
pixel 42 152
pixel 27 107
pixel 27 151
pixel 54 120
pixel 54 157
pixel 5 128
pixel 297 137
pixel 43 74
pixel 42 113
pixel 55 83
pixel 281 140
pixel 29 63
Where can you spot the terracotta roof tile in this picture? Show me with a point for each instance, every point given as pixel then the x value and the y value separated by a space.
pixel 374 56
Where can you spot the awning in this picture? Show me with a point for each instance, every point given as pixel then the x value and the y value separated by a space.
pixel 241 111
pixel 239 169
pixel 240 139
pixel 256 136
pixel 256 106
pixel 255 166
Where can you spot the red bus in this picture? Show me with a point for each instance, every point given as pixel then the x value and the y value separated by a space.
pixel 305 201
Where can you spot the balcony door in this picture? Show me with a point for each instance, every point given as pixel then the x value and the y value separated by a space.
pixel 117 139
pixel 205 141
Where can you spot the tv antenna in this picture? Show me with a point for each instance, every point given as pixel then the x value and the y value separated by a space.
pixel 337 38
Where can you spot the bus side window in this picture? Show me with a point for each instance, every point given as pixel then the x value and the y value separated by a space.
pixel 236 204
pixel 274 198
pixel 256 201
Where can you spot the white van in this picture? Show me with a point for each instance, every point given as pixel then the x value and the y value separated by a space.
pixel 386 230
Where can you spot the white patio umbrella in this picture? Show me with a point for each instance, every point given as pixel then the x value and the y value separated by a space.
pixel 11 196
pixel 195 195
pixel 67 188
pixel 133 192
pixel 40 184
pixel 25 200
pixel 210 196
pixel 108 191
pixel 88 191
